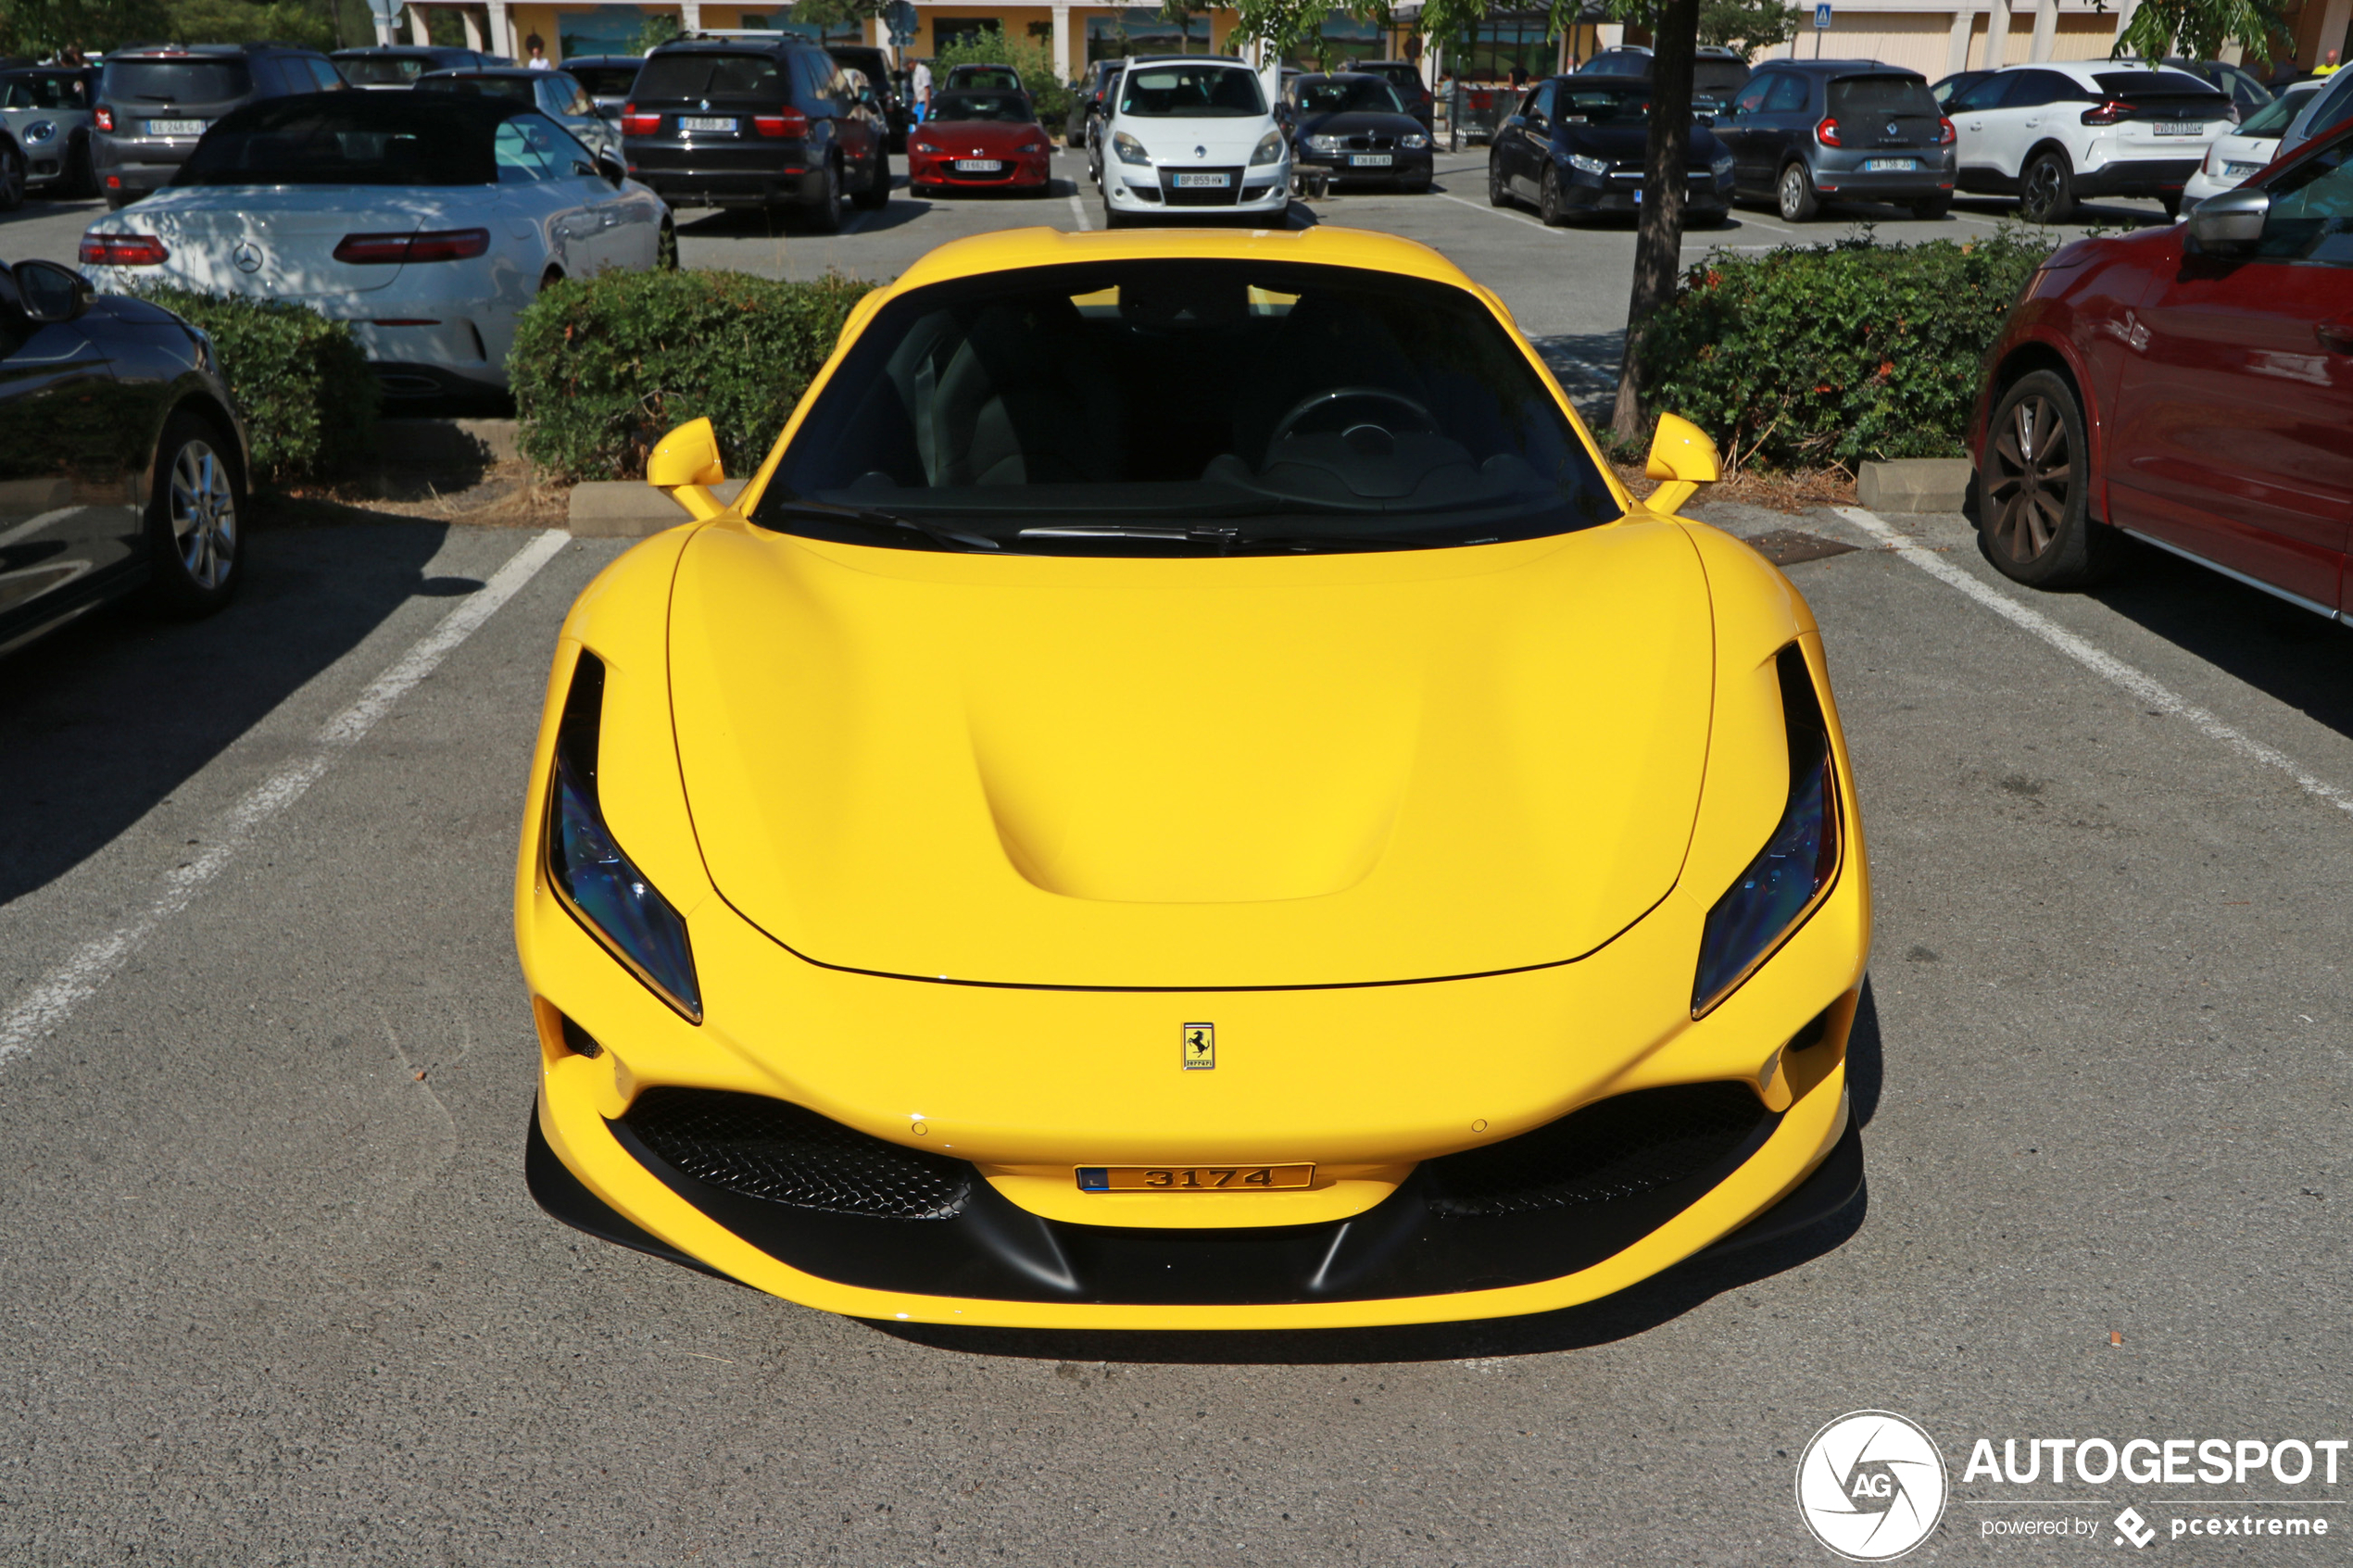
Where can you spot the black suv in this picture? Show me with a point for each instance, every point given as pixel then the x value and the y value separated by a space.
pixel 733 122
pixel 156 99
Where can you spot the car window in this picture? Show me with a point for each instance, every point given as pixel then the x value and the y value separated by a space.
pixel 1341 97
pixel 400 70
pixel 1986 93
pixel 42 90
pixel 1751 98
pixel 1540 104
pixel 699 74
pixel 1190 92
pixel 1606 102
pixel 176 81
pixel 1012 108
pixel 2311 216
pixel 513 89
pixel 2272 119
pixel 1718 78
pixel 346 139
pixel 1788 95
pixel 1871 96
pixel 525 150
pixel 606 82
pixel 324 73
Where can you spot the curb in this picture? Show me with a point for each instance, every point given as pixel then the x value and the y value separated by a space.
pixel 630 508
pixel 1914 484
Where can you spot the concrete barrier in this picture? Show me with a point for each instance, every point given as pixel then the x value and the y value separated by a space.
pixel 630 508
pixel 1914 484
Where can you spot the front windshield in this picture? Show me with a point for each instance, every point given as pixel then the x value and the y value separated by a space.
pixel 514 89
pixel 606 82
pixel 1364 95
pixel 1010 108
pixel 382 70
pixel 44 90
pixel 984 76
pixel 1592 103
pixel 1190 92
pixel 346 139
pixel 1181 407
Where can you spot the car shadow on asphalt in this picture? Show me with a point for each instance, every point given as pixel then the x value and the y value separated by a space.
pixel 1635 1310
pixel 103 720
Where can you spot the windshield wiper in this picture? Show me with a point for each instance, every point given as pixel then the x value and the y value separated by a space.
pixel 873 517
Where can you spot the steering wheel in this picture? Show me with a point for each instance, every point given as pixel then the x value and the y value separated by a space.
pixel 1314 402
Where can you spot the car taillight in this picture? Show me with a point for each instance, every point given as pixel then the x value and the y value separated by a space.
pixel 2107 113
pixel 792 122
pixel 105 116
pixel 124 250
pixel 635 124
pixel 1945 135
pixel 1827 133
pixel 443 245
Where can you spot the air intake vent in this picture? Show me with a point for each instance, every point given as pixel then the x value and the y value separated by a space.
pixel 770 1150
pixel 1618 1148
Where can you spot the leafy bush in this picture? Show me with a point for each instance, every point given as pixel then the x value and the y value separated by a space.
pixel 604 367
pixel 300 381
pixel 1031 58
pixel 1810 355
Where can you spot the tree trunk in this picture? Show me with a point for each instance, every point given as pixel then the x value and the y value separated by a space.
pixel 1658 237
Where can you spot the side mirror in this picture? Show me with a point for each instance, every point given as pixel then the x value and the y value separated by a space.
pixel 1682 457
pixel 685 465
pixel 611 169
pixel 2231 223
pixel 52 292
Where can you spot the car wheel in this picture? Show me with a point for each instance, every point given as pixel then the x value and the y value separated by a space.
pixel 1797 198
pixel 2048 193
pixel 81 178
pixel 11 178
pixel 1932 208
pixel 2033 488
pixel 1549 204
pixel 875 191
pixel 193 519
pixel 824 213
pixel 1499 189
pixel 666 248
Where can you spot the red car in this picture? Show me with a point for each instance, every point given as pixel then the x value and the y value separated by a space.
pixel 976 139
pixel 2190 385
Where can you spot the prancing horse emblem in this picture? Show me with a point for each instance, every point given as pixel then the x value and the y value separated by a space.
pixel 247 255
pixel 1201 1046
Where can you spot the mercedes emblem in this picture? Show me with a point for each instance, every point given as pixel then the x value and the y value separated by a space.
pixel 247 255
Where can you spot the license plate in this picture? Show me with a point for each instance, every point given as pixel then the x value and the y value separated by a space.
pixel 1888 166
pixel 1369 160
pixel 175 128
pixel 1200 182
pixel 1193 1178
pixel 977 166
pixel 2181 127
pixel 706 122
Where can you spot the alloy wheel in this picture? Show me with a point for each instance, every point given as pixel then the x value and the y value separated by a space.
pixel 1549 204
pixel 2044 200
pixel 1796 194
pixel 204 514
pixel 1499 191
pixel 2032 479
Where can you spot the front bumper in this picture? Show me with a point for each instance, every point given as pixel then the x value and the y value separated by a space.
pixel 1711 197
pixel 1408 166
pixel 939 172
pixel 1147 188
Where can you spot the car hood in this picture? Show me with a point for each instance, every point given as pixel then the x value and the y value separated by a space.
pixel 1306 771
pixel 293 231
pixel 1220 141
pixel 982 136
pixel 1360 122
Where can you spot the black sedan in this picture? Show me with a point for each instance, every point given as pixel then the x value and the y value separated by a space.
pixel 1577 144
pixel 123 466
pixel 1354 124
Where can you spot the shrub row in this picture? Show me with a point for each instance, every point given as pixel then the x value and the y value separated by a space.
pixel 1812 355
pixel 300 381
pixel 604 367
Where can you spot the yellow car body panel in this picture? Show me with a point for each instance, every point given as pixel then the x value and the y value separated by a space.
pixel 927 819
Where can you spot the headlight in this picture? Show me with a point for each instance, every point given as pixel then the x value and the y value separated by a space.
pixel 592 877
pixel 40 131
pixel 922 147
pixel 1588 165
pixel 1780 888
pixel 1031 147
pixel 1269 149
pixel 1129 149
pixel 1721 167
pixel 1324 144
pixel 1412 140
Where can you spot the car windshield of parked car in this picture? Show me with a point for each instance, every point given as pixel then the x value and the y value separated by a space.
pixel 1012 108
pixel 605 81
pixel 700 74
pixel 1600 103
pixel 1362 96
pixel 2272 119
pixel 1189 92
pixel 44 90
pixel 345 139
pixel 1719 79
pixel 382 70
pixel 513 89
pixel 1869 97
pixel 1181 406
pixel 1002 77
pixel 175 82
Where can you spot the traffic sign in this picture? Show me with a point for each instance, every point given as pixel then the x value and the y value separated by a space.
pixel 1822 17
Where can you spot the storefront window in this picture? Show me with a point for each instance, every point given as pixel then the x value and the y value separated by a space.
pixel 608 30
pixel 781 21
pixel 1141 32
pixel 1489 51
pixel 1340 39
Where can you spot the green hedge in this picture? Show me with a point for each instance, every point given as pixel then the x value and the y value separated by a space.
pixel 603 368
pixel 1813 356
pixel 300 381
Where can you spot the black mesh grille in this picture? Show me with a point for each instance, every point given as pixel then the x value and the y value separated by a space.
pixel 770 1150
pixel 1621 1147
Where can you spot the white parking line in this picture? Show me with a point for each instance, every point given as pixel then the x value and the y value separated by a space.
pixel 2157 695
pixel 53 999
pixel 1078 213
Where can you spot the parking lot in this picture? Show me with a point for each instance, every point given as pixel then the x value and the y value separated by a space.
pixel 274 1291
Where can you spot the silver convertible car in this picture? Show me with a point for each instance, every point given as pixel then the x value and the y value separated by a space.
pixel 426 223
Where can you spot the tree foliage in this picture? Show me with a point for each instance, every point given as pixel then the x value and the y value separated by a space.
pixel 37 28
pixel 2198 29
pixel 833 13
pixel 1749 25
pixel 653 33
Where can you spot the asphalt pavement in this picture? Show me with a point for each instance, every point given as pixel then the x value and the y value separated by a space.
pixel 273 1291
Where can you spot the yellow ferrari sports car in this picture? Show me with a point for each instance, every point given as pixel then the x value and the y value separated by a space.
pixel 1184 794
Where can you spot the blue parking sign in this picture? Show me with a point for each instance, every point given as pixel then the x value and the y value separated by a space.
pixel 1822 17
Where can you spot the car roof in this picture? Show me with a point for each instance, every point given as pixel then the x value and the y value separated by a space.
pixel 729 46
pixel 1838 68
pixel 2088 72
pixel 473 73
pixel 435 50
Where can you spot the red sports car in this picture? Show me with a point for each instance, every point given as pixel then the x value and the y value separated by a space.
pixel 2190 385
pixel 974 140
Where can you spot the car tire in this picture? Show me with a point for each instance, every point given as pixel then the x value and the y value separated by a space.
pixel 194 511
pixel 1499 189
pixel 666 247
pixel 1549 204
pixel 875 191
pixel 1795 195
pixel 81 174
pixel 11 177
pixel 2033 488
pixel 824 213
pixel 1932 209
pixel 2046 191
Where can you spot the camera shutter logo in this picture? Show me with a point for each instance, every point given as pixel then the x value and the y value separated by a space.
pixel 1871 1485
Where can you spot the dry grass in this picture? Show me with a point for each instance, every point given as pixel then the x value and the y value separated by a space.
pixel 1793 493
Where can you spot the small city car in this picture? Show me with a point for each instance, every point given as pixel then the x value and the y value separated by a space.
pixel 1577 144
pixel 2248 146
pixel 1194 134
pixel 1804 133
pixel 2184 385
pixel 47 112
pixel 1353 127
pixel 978 140
pixel 1184 794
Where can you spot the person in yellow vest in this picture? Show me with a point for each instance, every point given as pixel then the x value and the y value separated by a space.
pixel 2327 66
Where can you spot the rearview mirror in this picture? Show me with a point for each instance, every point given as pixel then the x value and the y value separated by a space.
pixel 685 465
pixel 1684 458
pixel 2231 222
pixel 52 292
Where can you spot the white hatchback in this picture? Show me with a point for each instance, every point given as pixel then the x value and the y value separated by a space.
pixel 1191 135
pixel 2057 132
pixel 2247 148
pixel 427 224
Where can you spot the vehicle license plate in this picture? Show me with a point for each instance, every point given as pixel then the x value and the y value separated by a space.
pixel 175 128
pixel 1888 165
pixel 1369 160
pixel 1193 1178
pixel 1200 182
pixel 706 122
pixel 2181 127
pixel 976 166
